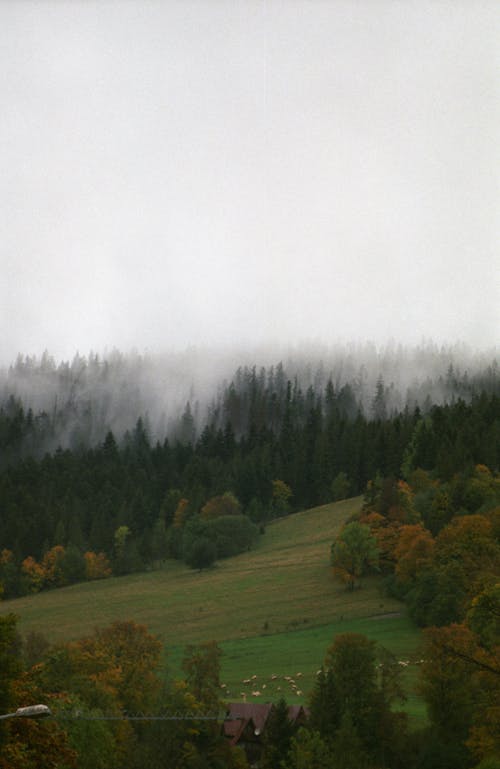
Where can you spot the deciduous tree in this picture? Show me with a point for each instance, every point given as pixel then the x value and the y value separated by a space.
pixel 224 504
pixel 308 751
pixel 353 553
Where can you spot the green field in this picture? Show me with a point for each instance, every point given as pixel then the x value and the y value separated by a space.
pixel 274 610
pixel 298 654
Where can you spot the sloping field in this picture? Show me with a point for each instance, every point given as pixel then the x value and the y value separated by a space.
pixel 274 610
pixel 284 583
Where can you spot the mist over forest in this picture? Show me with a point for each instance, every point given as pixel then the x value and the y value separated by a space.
pixel 75 403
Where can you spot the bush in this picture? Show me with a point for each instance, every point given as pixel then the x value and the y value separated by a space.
pixel 229 534
pixel 232 534
pixel 201 554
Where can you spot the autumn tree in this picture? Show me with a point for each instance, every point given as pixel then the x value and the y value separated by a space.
pixel 53 567
pixel 483 616
pixel 450 687
pixel 10 663
pixel 225 504
pixel 36 744
pixel 122 534
pixel 353 553
pixel 201 664
pixel 281 495
pixel 32 575
pixel 97 566
pixel 386 535
pixel 9 575
pixel 181 513
pixel 129 649
pixel 460 679
pixel 464 557
pixel 26 743
pixel 413 552
pixel 113 669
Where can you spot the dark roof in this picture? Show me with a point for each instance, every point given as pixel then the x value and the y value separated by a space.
pixel 240 713
pixel 259 713
pixel 235 729
pixel 297 711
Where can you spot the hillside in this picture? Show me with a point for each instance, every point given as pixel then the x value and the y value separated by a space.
pixel 284 582
pixel 274 610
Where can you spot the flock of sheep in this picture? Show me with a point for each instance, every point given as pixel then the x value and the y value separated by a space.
pixel 252 681
pixel 288 680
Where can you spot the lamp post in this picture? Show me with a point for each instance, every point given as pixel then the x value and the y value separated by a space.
pixel 32 711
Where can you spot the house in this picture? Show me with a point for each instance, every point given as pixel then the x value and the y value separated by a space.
pixel 245 725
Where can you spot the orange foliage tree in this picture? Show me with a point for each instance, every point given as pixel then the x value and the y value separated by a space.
pixel 225 504
pixel 413 551
pixel 386 534
pixel 35 744
pixel 180 513
pixel 122 660
pixel 460 682
pixel 96 566
pixel 33 574
pixel 52 565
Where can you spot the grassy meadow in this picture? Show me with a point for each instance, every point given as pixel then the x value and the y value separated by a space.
pixel 274 610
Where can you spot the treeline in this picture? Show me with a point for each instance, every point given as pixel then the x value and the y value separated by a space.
pixel 132 501
pixel 437 543
pixel 44 404
pixel 93 686
pixel 113 707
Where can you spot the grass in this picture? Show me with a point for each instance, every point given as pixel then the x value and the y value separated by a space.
pixel 274 610
pixel 298 654
pixel 282 584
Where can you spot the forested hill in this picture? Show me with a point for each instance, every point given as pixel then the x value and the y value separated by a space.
pixel 270 444
pixel 45 405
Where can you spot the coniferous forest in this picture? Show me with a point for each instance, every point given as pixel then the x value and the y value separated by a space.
pixel 93 487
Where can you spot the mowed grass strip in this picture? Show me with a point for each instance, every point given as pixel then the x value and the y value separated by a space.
pixel 284 583
pixel 267 667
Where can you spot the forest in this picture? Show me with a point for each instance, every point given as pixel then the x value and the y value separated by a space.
pixel 81 501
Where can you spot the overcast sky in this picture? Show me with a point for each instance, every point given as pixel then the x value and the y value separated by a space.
pixel 180 173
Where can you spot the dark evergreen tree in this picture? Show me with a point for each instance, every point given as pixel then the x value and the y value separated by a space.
pixel 278 736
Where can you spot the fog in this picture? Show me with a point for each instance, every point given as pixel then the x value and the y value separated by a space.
pixel 81 399
pixel 228 175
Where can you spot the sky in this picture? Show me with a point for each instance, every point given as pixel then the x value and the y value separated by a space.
pixel 208 173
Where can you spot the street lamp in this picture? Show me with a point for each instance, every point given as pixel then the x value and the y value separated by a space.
pixel 32 711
